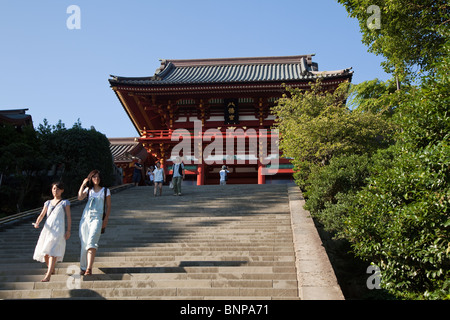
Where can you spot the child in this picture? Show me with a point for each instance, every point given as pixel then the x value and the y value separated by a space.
pixel 51 244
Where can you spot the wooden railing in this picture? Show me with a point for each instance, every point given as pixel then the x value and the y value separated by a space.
pixel 167 134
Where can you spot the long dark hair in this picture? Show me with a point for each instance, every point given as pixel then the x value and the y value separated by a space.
pixel 90 184
pixel 58 184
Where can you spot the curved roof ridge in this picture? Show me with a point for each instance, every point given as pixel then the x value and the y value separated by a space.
pixel 233 70
pixel 236 61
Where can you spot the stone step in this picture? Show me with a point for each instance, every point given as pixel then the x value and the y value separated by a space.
pixel 206 244
pixel 184 266
pixel 232 276
pixel 182 258
pixel 238 254
pixel 163 283
pixel 153 293
pixel 102 268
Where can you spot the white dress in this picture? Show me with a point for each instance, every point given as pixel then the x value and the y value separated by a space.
pixel 51 240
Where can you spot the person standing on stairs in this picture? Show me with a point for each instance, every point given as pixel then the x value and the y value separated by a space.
pixel 160 178
pixel 223 175
pixel 178 176
pixel 94 220
pixel 51 244
pixel 138 172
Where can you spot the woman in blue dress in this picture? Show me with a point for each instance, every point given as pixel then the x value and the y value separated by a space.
pixel 95 218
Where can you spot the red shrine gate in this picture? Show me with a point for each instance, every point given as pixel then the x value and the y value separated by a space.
pixel 217 111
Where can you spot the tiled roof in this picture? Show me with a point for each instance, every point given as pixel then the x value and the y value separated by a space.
pixel 121 152
pixel 17 117
pixel 231 70
pixel 125 149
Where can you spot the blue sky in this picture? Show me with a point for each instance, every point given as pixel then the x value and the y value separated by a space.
pixel 62 74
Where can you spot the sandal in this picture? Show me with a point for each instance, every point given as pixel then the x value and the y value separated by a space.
pixel 88 272
pixel 46 279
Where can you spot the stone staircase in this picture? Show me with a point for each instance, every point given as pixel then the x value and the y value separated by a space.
pixel 213 242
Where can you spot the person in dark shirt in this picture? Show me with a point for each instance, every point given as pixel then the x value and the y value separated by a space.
pixel 137 174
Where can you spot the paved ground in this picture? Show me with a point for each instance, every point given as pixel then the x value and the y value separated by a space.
pixel 213 242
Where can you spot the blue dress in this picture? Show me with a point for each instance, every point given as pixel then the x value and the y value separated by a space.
pixel 91 224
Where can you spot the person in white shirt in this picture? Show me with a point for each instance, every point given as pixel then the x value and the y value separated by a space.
pixel 223 175
pixel 94 219
pixel 150 176
pixel 160 178
pixel 51 244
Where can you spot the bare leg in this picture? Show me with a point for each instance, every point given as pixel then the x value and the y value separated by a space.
pixel 47 261
pixel 51 262
pixel 90 260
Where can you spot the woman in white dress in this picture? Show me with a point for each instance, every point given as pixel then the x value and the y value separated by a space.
pixel 51 244
pixel 94 220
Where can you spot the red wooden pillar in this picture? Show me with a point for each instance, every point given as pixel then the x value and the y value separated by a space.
pixel 261 176
pixel 201 174
pixel 164 167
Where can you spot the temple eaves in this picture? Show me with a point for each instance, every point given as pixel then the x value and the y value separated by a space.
pixel 232 70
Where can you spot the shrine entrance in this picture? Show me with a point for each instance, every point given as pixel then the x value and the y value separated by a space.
pixel 206 100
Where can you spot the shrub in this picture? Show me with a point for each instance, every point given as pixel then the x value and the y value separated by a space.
pixel 78 151
pixel 401 222
pixel 332 189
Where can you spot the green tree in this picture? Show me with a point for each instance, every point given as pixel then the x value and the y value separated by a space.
pixel 77 151
pixel 21 163
pixel 410 33
pixel 401 219
pixel 332 190
pixel 316 125
pixel 375 96
pixel 27 156
pixel 330 186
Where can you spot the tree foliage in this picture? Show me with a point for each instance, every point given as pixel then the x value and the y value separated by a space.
pixel 316 125
pixel 77 151
pixel 375 96
pixel 391 204
pixel 410 34
pixel 20 164
pixel 402 217
pixel 332 190
pixel 30 159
